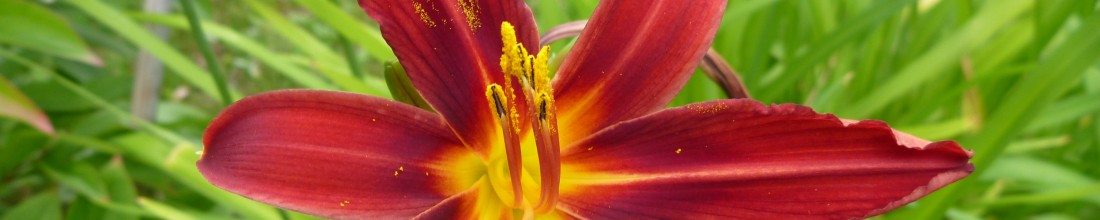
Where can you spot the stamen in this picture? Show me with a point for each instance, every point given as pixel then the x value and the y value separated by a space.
pixel 532 72
pixel 501 105
pixel 546 136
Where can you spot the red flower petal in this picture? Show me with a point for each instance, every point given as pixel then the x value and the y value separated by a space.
pixel 741 159
pixel 451 51
pixel 458 206
pixel 332 154
pixel 631 60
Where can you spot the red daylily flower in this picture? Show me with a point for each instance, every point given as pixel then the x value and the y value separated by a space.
pixel 593 143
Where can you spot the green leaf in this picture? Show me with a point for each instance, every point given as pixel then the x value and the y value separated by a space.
pixel 1064 111
pixel 19 146
pixel 44 206
pixel 53 97
pixel 16 105
pixel 401 86
pixel 299 216
pixel 946 53
pixel 698 89
pixel 366 37
pixel 234 39
pixel 82 178
pixel 1034 144
pixel 942 130
pixel 181 166
pixel 1034 91
pixel 28 25
pixel 96 123
pixel 172 58
pixel 81 209
pixel 345 80
pixel 801 65
pixel 323 59
pixel 120 188
pixel 165 211
pixel 548 13
pixel 1056 183
pixel 295 35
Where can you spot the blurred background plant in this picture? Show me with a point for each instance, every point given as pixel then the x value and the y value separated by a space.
pixel 103 103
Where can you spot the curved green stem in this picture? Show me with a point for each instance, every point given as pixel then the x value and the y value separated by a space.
pixel 211 63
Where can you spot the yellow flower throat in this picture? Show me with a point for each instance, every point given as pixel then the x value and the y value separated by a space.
pixel 533 75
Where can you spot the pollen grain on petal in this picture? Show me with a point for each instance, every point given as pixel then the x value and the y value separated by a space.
pixel 679 150
pixel 471 10
pixel 419 9
pixel 708 109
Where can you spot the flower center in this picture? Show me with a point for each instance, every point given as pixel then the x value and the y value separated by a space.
pixel 532 73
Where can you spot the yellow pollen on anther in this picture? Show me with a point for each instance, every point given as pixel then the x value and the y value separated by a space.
pixel 545 107
pixel 508 38
pixel 494 94
pixel 678 150
pixel 532 70
pixel 499 103
pixel 541 70
pixel 401 168
pixel 513 55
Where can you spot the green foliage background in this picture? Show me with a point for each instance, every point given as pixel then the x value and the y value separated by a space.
pixel 1017 81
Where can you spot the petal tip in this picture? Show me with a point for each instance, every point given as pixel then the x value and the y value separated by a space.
pixel 937 182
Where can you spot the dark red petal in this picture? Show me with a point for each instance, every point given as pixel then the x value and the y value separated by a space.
pixel 459 206
pixel 631 60
pixel 332 154
pixel 450 57
pixel 741 159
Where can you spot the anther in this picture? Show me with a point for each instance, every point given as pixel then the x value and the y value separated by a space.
pixel 542 111
pixel 498 102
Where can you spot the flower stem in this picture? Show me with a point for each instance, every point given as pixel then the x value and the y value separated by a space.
pixel 204 47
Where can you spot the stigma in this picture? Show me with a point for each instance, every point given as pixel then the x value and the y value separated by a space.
pixel 531 73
